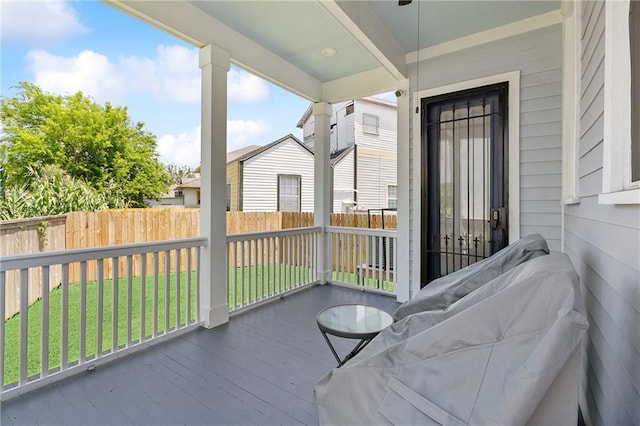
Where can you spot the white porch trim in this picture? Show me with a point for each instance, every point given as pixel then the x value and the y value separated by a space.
pixel 403 280
pixel 513 78
pixel 322 184
pixel 214 63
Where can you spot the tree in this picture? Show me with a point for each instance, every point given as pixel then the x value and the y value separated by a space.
pixel 178 173
pixel 91 143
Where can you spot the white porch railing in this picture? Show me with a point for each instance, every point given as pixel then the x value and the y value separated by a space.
pixel 364 258
pixel 265 265
pixel 99 309
pixel 79 308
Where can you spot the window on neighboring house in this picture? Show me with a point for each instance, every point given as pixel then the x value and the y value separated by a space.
pixel 348 110
pixel 289 193
pixel 634 40
pixel 370 124
pixel 392 196
pixel 228 196
pixel 177 193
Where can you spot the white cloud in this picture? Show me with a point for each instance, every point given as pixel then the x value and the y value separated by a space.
pixel 184 149
pixel 39 21
pixel 245 87
pixel 171 75
pixel 88 72
pixel 245 132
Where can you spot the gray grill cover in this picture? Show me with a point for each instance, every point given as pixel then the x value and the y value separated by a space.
pixel 506 354
pixel 444 291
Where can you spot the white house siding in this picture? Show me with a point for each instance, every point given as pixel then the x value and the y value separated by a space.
pixel 377 159
pixel 603 242
pixel 260 176
pixel 538 56
pixel 343 180
pixel 344 134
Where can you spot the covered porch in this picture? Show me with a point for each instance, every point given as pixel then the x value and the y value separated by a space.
pixel 569 179
pixel 259 368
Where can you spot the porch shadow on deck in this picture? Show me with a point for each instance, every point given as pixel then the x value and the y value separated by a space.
pixel 260 368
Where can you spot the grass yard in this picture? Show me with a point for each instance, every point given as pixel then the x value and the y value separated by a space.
pixel 34 320
pixel 246 285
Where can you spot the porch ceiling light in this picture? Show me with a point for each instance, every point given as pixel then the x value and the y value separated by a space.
pixel 328 51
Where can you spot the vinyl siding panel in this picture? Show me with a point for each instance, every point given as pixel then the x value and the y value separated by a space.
pixel 260 176
pixel 233 177
pixel 386 139
pixel 538 57
pixel 376 170
pixel 343 181
pixel 603 242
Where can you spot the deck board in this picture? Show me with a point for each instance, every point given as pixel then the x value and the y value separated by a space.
pixel 260 368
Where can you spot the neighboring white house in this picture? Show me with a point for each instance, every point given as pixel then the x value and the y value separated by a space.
pixel 363 153
pixel 275 177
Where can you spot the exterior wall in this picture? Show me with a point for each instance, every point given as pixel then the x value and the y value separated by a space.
pixel 603 242
pixel 344 136
pixel 377 160
pixel 191 197
pixel 376 170
pixel 260 176
pixel 538 56
pixel 233 177
pixel 386 138
pixel 343 183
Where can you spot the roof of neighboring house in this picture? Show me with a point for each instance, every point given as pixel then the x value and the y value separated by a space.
pixel 189 183
pixel 262 149
pixel 235 154
pixel 339 155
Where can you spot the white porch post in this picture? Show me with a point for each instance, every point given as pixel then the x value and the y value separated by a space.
pixel 404 289
pixel 214 63
pixel 322 183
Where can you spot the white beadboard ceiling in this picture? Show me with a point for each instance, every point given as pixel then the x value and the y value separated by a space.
pixel 282 40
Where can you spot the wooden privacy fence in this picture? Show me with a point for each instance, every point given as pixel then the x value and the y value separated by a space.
pixel 80 230
pixel 32 235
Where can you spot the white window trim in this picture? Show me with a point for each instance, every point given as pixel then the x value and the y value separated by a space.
pixel 571 34
pixel 617 187
pixel 364 125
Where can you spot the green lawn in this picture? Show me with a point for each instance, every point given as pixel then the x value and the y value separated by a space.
pixel 12 325
pixel 249 284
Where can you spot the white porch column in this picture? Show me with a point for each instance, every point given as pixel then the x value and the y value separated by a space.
pixel 404 290
pixel 322 183
pixel 214 63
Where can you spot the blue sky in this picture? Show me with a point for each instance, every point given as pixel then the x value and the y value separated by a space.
pixel 65 47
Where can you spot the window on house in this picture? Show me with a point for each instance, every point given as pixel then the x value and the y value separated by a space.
pixel 348 110
pixel 621 147
pixel 634 41
pixel 289 193
pixel 228 196
pixel 392 196
pixel 370 124
pixel 177 193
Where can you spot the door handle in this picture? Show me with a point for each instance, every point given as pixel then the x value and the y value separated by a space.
pixel 495 220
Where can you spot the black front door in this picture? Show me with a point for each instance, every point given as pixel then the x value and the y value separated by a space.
pixel 464 178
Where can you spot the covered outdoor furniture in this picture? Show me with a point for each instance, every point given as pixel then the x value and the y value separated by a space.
pixel 443 291
pixel 507 353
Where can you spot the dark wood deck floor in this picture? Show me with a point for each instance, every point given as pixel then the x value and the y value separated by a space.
pixel 260 368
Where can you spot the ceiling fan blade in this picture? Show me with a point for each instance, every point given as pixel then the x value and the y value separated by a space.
pixel 404 2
